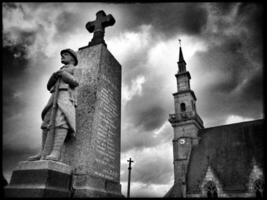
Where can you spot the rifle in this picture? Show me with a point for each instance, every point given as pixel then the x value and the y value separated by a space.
pixel 54 107
pixel 50 137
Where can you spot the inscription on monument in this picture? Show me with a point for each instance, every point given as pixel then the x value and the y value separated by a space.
pixel 107 130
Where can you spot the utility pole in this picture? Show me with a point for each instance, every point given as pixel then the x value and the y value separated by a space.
pixel 129 177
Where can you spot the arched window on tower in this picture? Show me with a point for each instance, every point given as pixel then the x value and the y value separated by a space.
pixel 211 189
pixel 259 188
pixel 182 106
pixel 193 105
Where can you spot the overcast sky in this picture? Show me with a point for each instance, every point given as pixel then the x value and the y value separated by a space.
pixel 222 46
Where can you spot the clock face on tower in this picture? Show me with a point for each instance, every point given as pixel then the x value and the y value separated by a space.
pixel 183 148
pixel 182 141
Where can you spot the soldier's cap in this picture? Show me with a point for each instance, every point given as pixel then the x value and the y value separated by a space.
pixel 71 52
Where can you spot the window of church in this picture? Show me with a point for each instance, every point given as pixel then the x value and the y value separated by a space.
pixel 259 188
pixel 182 106
pixel 211 189
pixel 193 105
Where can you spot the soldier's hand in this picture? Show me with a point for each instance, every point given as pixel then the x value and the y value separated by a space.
pixel 55 75
pixel 58 73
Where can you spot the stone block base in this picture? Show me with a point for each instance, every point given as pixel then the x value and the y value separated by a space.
pixel 93 186
pixel 40 179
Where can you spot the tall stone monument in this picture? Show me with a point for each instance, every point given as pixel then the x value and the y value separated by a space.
pixel 90 161
pixel 95 152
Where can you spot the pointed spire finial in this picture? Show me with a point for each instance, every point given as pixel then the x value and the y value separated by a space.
pixel 181 57
pixel 181 63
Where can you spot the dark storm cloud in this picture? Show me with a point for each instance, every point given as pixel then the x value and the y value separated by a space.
pixel 45 5
pixel 248 101
pixel 14 65
pixel 19 39
pixel 151 118
pixel 14 61
pixel 253 89
pixel 223 8
pixel 135 65
pixel 18 77
pixel 252 16
pixel 253 13
pixel 237 85
pixel 138 138
pixel 166 18
pixel 11 103
pixel 232 64
pixel 236 90
pixel 11 6
pixel 249 16
pixel 228 60
pixel 66 24
pixel 149 110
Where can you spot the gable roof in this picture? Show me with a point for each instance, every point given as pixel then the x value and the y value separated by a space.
pixel 230 149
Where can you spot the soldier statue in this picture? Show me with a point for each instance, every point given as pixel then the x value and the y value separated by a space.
pixel 59 114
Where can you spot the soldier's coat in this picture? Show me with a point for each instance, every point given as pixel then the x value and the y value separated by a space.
pixel 67 100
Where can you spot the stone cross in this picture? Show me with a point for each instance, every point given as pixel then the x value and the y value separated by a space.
pixel 98 27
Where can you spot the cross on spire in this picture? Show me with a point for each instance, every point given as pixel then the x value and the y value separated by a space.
pixel 98 27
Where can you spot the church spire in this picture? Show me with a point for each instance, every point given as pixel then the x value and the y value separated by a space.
pixel 181 62
pixel 186 124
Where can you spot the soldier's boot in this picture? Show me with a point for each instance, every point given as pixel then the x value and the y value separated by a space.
pixel 39 155
pixel 60 135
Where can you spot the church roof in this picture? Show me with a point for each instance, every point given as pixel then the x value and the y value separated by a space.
pixel 229 151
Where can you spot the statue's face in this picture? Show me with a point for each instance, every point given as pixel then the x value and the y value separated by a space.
pixel 66 58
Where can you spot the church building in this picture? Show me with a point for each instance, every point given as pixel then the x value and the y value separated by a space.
pixel 221 161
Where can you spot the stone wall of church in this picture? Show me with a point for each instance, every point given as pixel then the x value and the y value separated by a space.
pixel 255 174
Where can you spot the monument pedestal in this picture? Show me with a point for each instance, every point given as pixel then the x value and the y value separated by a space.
pixel 93 186
pixel 42 178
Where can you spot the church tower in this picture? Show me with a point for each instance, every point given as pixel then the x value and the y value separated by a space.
pixel 186 124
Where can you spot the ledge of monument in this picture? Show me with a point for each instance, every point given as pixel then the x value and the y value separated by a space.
pixel 45 164
pixel 99 49
pixel 92 46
